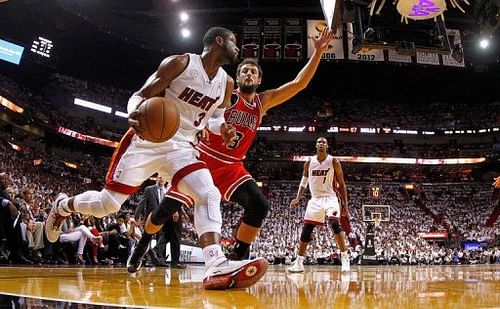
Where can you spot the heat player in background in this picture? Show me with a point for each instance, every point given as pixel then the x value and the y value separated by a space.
pixel 325 178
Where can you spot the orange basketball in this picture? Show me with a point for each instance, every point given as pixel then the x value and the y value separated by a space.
pixel 159 120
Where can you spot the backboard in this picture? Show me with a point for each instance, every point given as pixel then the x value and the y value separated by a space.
pixel 332 9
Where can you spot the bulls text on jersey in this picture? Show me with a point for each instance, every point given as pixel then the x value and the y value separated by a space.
pixel 242 118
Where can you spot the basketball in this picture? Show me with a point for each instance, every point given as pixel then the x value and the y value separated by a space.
pixel 159 119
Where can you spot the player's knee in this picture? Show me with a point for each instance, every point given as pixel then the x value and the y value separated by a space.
pixel 166 209
pixel 256 206
pixel 256 211
pixel 306 234
pixel 108 202
pixel 207 196
pixel 335 225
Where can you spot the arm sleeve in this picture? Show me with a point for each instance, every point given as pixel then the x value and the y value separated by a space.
pixel 216 121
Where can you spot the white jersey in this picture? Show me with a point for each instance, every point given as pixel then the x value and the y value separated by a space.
pixel 196 97
pixel 321 177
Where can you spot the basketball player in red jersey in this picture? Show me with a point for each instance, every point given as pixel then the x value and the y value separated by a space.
pixel 200 90
pixel 225 162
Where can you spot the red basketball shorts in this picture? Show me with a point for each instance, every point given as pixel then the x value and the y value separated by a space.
pixel 227 176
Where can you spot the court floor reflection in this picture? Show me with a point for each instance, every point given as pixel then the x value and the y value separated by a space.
pixel 320 286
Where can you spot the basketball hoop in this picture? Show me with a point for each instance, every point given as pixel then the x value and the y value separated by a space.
pixel 377 219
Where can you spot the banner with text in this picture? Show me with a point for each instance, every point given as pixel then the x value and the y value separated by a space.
pixel 336 47
pixel 371 55
pixel 393 56
pixel 272 39
pixel 293 38
pixel 455 42
pixel 250 43
pixel 427 58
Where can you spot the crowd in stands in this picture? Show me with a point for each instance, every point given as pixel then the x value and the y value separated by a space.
pixel 286 170
pixel 466 207
pixel 396 242
pixel 94 92
pixel 52 105
pixel 36 175
pixel 385 114
pixel 53 109
pixel 265 149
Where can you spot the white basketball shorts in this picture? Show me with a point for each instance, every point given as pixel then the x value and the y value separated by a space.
pixel 320 207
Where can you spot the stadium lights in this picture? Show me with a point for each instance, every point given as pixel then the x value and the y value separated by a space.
pixel 484 43
pixel 121 114
pixel 94 106
pixel 185 32
pixel 183 16
pixel 10 105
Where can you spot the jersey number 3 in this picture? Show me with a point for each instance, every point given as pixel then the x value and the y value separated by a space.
pixel 236 142
pixel 197 122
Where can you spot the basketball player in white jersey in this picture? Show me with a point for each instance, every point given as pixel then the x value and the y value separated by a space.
pixel 325 178
pixel 201 90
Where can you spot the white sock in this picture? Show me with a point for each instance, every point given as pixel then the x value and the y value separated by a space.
pixel 301 259
pixel 212 253
pixel 62 208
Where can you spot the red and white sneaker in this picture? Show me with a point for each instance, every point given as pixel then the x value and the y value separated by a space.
pixel 226 274
pixel 53 224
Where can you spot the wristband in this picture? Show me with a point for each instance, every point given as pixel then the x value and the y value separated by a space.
pixel 133 102
pixel 216 121
pixel 304 181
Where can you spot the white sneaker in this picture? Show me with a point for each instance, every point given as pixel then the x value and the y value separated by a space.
pixel 297 266
pixel 224 274
pixel 346 263
pixel 53 225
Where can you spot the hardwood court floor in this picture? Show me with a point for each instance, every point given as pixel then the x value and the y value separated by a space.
pixel 474 286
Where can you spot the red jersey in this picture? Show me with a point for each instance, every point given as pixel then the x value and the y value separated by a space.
pixel 246 117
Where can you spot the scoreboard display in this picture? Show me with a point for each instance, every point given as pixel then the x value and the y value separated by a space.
pixel 42 47
pixel 374 192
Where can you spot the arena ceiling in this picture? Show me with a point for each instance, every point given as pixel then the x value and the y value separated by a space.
pixel 154 25
pixel 126 14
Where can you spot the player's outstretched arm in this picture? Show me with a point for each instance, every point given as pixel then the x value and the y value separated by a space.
pixel 342 189
pixel 496 184
pixel 274 97
pixel 156 84
pixel 302 187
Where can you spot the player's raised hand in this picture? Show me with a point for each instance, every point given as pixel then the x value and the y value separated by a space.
pixel 228 133
pixel 321 43
pixel 294 202
pixel 496 184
